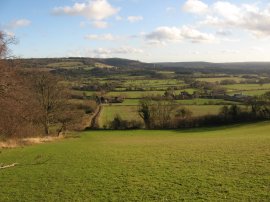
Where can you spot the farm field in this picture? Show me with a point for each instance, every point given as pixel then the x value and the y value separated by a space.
pixel 247 87
pixel 125 112
pixel 137 94
pixel 218 79
pixel 216 164
pixel 249 92
pixel 130 112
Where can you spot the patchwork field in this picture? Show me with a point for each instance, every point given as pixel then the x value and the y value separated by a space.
pixel 217 164
pixel 136 94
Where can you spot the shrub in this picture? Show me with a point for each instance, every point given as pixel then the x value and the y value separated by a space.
pixel 119 124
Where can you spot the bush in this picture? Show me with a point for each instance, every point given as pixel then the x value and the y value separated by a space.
pixel 119 124
pixel 88 106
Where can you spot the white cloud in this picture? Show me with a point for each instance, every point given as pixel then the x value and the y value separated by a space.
pixel 165 34
pixel 105 52
pixel 100 24
pixel 195 6
pixel 103 37
pixel 126 50
pixel 247 17
pixel 19 23
pixel 94 10
pixel 195 35
pixel 227 10
pixel 101 53
pixel 133 19
pixel 173 34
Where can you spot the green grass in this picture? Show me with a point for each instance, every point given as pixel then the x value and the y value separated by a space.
pixel 219 79
pixel 200 101
pixel 201 110
pixel 250 92
pixel 247 87
pixel 110 111
pixel 127 102
pixel 129 112
pixel 217 164
pixel 65 64
pixel 156 84
pixel 151 82
pixel 135 94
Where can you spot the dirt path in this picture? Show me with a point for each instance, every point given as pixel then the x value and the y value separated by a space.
pixel 94 118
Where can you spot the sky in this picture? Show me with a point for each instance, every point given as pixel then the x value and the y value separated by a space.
pixel 145 30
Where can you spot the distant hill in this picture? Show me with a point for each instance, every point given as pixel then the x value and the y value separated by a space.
pixel 78 61
pixel 249 65
pixel 205 67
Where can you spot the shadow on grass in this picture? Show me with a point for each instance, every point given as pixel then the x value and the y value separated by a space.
pixel 189 130
pixel 220 128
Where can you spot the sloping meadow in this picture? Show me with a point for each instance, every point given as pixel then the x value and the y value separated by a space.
pixel 214 164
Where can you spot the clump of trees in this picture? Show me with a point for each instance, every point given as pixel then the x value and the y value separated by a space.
pixel 260 106
pixel 162 114
pixel 36 104
pixel 33 103
pixel 119 124
pixel 156 113
pixel 16 106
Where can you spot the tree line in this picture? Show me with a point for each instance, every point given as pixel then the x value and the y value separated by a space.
pixel 165 114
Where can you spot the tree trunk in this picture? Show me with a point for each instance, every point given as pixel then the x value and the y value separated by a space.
pixel 46 129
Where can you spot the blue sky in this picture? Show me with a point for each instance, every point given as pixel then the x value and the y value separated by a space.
pixel 146 30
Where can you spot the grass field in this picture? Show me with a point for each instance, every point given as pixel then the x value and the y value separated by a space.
pixel 130 112
pixel 217 164
pixel 219 79
pixel 205 102
pixel 109 112
pixel 247 87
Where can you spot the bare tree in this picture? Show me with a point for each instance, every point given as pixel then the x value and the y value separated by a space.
pixel 28 100
pixel 15 98
pixel 156 114
pixel 69 118
pixel 5 42
pixel 51 96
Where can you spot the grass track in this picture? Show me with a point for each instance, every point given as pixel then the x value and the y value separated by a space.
pixel 217 164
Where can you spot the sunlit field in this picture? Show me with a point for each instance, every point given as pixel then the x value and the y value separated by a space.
pixel 214 164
